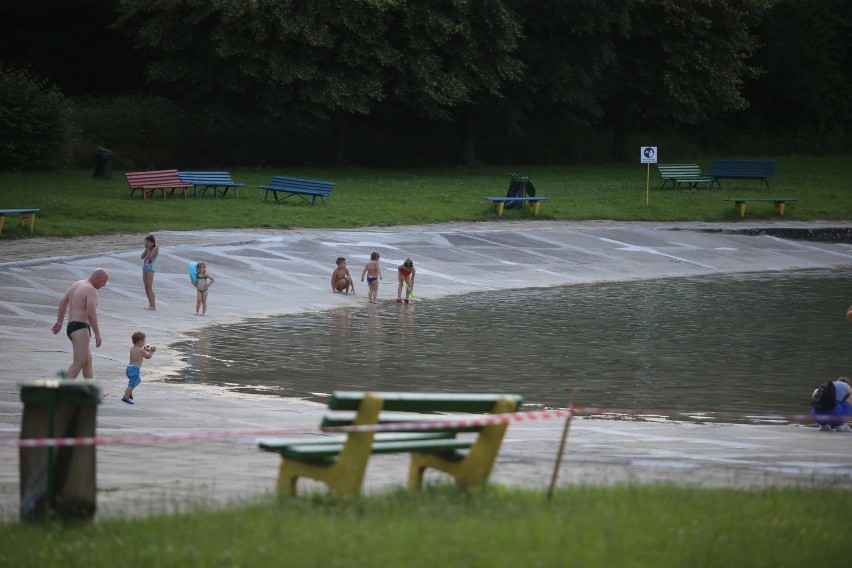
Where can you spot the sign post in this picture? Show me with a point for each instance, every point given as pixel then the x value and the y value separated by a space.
pixel 648 155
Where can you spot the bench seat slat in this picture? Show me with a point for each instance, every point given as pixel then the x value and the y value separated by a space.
pixel 314 452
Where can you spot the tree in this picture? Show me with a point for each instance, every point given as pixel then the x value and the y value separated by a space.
pixel 35 122
pixel 458 56
pixel 807 56
pixel 325 62
pixel 680 63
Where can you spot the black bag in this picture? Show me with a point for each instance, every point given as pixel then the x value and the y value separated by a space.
pixel 517 188
pixel 825 397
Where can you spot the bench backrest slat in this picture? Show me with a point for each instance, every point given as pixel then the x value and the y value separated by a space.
pixel 678 170
pixel 758 169
pixel 282 182
pixel 207 178
pixel 421 402
pixel 155 178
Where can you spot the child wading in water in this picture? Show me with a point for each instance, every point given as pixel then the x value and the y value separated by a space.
pixel 373 271
pixel 405 272
pixel 202 282
pixel 138 352
pixel 341 280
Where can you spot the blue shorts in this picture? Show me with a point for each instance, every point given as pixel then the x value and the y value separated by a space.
pixel 835 417
pixel 132 373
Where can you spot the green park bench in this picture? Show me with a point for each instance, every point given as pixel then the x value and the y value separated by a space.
pixel 467 453
pixel 689 174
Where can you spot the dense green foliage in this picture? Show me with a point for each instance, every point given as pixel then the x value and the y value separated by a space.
pixel 72 203
pixel 35 122
pixel 391 83
pixel 584 526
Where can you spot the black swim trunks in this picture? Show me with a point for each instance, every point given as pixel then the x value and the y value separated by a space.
pixel 75 325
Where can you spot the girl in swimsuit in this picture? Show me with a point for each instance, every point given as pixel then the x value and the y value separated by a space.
pixel 373 272
pixel 204 282
pixel 149 257
pixel 405 272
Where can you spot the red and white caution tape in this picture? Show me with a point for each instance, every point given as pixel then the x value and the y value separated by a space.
pixel 445 423
pixel 147 438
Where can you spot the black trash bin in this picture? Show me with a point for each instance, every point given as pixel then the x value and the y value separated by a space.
pixel 103 163
pixel 58 482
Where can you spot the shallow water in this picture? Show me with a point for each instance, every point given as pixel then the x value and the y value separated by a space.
pixel 739 343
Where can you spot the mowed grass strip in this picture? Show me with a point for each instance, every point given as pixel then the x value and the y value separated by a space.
pixel 659 526
pixel 73 203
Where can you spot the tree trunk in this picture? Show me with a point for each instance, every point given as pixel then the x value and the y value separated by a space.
pixel 467 137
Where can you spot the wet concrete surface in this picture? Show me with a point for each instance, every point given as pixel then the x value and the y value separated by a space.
pixel 266 272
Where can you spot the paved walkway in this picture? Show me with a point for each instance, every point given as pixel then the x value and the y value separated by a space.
pixel 262 273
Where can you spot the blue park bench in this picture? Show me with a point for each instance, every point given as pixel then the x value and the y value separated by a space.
pixel 689 174
pixel 302 188
pixel 26 217
pixel 466 452
pixel 202 181
pixel 521 191
pixel 743 169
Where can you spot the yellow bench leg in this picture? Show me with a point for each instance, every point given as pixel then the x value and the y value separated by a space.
pixel 345 476
pixel 779 208
pixel 499 205
pixel 473 471
pixel 740 207
pixel 27 220
pixel 535 206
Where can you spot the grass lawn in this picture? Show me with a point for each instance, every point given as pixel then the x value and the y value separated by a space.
pixel 652 526
pixel 72 203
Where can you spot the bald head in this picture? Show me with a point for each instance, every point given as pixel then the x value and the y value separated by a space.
pixel 99 278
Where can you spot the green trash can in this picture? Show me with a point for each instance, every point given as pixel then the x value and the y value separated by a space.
pixel 58 482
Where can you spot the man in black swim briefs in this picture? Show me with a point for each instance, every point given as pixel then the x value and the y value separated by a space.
pixel 75 325
pixel 81 303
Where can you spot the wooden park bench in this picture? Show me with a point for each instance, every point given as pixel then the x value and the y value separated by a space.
pixel 302 188
pixel 340 460
pixel 26 217
pixel 689 174
pixel 740 203
pixel 202 181
pixel 500 203
pixel 156 180
pixel 743 169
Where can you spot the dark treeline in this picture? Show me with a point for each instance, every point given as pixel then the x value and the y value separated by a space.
pixel 185 83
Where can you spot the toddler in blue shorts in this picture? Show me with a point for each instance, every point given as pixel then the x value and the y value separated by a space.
pixel 138 353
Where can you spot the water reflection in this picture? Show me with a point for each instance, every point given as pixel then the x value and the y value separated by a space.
pixel 735 343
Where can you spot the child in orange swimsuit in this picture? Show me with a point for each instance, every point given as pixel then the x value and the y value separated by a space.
pixel 405 273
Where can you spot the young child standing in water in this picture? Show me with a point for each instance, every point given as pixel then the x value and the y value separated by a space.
pixel 203 281
pixel 138 352
pixel 373 272
pixel 405 272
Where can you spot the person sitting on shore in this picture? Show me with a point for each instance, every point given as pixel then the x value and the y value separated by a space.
pixel 837 416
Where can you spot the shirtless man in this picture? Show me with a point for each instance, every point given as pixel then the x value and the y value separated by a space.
pixel 82 298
